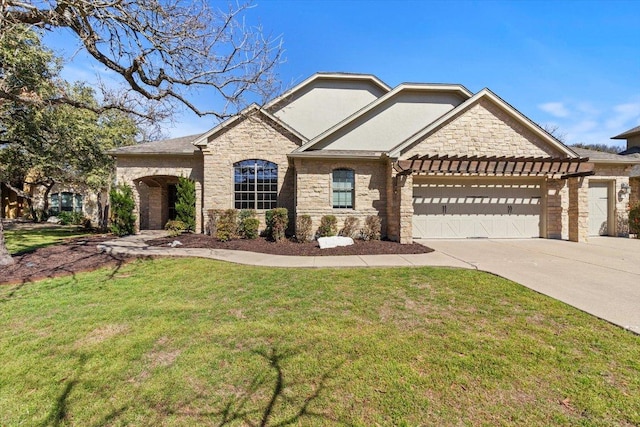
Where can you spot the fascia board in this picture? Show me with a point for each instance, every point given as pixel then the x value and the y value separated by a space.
pixel 305 155
pixel 334 76
pixel 384 98
pixel 484 93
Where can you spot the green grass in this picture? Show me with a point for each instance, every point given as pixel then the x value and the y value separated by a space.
pixel 200 342
pixel 19 241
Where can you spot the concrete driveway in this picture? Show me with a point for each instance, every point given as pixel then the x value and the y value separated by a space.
pixel 601 277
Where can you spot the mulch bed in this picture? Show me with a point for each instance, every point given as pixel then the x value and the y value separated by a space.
pixel 71 257
pixel 289 247
pixel 79 255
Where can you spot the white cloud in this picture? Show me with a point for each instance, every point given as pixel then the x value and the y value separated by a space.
pixel 625 117
pixel 556 109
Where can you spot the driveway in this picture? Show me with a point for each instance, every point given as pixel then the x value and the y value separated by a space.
pixel 601 277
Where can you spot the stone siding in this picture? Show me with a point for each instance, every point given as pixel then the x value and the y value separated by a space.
pixel 557 202
pixel 483 130
pixel 250 138
pixel 314 190
pixel 138 172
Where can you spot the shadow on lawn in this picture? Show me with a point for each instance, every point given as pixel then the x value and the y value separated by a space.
pixel 65 259
pixel 244 409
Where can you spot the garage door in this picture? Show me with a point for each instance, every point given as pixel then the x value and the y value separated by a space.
pixel 469 208
pixel 598 208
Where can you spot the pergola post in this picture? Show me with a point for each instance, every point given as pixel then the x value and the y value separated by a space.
pixel 578 209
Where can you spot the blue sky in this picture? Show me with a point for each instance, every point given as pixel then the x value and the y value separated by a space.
pixel 572 64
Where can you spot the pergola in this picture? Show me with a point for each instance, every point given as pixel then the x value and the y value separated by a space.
pixel 495 166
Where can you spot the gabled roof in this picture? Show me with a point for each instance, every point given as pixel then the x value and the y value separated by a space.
pixel 202 140
pixel 175 146
pixel 604 157
pixel 484 93
pixel 327 76
pixel 632 150
pixel 631 132
pixel 404 87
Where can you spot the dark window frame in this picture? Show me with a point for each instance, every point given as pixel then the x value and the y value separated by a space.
pixel 255 184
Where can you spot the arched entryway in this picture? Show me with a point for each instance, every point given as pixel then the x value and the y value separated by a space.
pixel 157 200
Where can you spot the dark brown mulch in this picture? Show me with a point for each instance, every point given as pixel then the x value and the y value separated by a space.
pixel 71 257
pixel 288 247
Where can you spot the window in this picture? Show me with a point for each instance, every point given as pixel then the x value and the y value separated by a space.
pixel 65 202
pixel 255 184
pixel 343 188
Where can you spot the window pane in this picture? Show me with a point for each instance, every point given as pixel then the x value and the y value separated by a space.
pixel 343 188
pixel 256 184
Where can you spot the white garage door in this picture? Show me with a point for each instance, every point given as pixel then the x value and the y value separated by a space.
pixel 598 208
pixel 476 208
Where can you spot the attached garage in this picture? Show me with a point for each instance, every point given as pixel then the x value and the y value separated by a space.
pixel 477 208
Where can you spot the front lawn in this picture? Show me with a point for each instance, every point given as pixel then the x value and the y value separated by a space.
pixel 199 342
pixel 30 238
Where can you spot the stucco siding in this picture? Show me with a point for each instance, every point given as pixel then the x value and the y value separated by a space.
pixel 325 103
pixel 483 129
pixel 392 122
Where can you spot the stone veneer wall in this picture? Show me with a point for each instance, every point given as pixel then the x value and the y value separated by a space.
pixel 314 193
pixel 132 168
pixel 483 130
pixel 634 196
pixel 250 138
pixel 557 194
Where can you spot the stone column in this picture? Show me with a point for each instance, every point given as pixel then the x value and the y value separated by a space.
pixel 578 209
pixel 405 206
pixel 199 213
pixel 135 189
pixel 155 208
pixel 555 195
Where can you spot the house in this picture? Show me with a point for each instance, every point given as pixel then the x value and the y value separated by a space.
pixel 431 160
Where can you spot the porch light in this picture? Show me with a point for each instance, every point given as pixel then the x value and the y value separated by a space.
pixel 624 188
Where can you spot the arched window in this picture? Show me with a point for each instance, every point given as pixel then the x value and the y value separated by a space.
pixel 255 184
pixel 343 188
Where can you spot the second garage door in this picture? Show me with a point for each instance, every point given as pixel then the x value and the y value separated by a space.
pixel 469 208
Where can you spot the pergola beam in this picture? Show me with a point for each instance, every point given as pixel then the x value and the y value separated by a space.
pixel 494 165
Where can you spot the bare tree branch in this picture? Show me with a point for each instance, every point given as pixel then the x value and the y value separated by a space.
pixel 164 50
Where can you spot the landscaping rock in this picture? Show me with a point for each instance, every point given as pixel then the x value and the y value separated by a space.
pixel 334 241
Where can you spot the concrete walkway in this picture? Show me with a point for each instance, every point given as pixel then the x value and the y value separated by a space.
pixel 601 277
pixel 136 245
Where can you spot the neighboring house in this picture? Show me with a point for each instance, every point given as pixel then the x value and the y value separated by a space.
pixel 431 160
pixel 632 136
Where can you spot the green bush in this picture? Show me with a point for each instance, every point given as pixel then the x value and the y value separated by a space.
pixel 372 226
pixel 634 220
pixel 328 226
pixel 186 203
pixel 123 221
pixel 227 225
pixel 71 218
pixel 248 224
pixel 303 228
pixel 175 227
pixel 351 227
pixel 277 221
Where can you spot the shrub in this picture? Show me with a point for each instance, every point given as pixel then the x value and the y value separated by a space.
pixel 277 221
pixel 328 226
pixel 212 217
pixel 350 227
pixel 634 220
pixel 303 228
pixel 227 225
pixel 248 224
pixel 372 226
pixel 123 221
pixel 186 203
pixel 175 227
pixel 71 218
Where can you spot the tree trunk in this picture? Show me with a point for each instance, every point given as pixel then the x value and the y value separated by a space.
pixel 5 256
